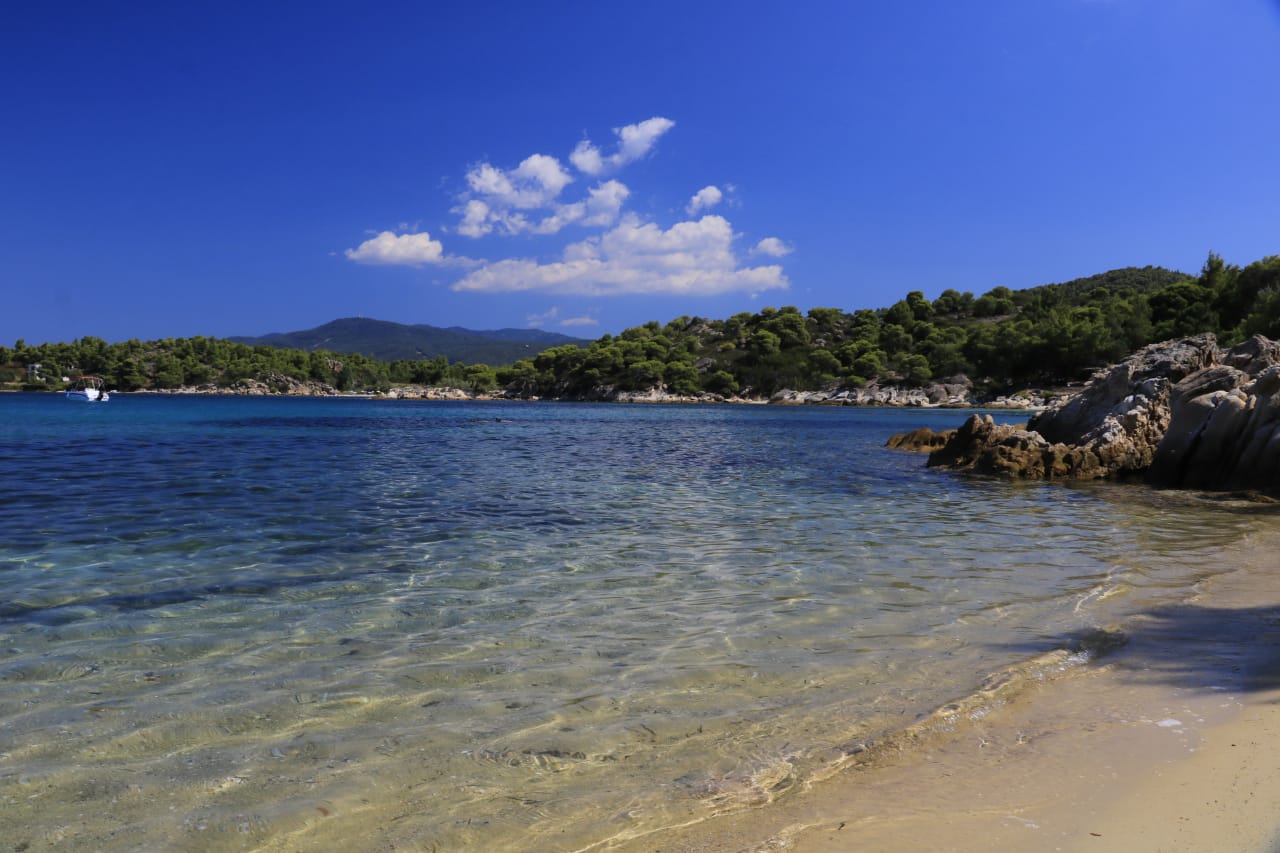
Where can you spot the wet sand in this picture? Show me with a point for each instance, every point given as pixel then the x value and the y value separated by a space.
pixel 1165 744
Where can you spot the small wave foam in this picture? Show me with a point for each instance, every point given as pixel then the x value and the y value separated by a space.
pixel 1100 593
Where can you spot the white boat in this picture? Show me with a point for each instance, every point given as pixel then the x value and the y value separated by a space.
pixel 89 389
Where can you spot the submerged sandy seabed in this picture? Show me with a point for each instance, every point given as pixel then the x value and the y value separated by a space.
pixel 1165 744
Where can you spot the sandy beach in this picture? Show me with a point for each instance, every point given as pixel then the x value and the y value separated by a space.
pixel 1165 744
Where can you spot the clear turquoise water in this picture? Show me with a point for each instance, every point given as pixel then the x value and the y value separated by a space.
pixel 264 623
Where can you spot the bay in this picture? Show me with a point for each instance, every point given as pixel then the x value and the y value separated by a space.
pixel 234 623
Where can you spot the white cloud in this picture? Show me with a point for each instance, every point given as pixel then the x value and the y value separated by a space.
pixel 475 219
pixel 626 256
pixel 704 199
pixel 773 247
pixel 535 183
pixel 600 208
pixel 690 258
pixel 587 158
pixel 526 199
pixel 604 203
pixel 634 141
pixel 539 320
pixel 398 250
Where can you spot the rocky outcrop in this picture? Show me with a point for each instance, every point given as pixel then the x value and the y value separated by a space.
pixel 1224 430
pixel 270 385
pixel 278 383
pixel 1130 401
pixel 658 395
pixel 431 392
pixel 955 394
pixel 922 440
pixel 1181 413
pixel 938 395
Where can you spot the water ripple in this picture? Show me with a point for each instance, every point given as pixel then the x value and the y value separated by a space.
pixel 519 599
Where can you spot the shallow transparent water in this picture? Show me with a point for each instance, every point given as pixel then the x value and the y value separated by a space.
pixel 246 623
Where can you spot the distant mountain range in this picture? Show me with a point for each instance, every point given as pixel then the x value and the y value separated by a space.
pixel 387 341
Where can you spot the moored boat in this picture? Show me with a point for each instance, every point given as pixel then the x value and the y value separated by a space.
pixel 89 389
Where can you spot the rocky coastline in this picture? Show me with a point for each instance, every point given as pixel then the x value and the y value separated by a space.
pixel 955 395
pixel 1182 414
pixel 940 395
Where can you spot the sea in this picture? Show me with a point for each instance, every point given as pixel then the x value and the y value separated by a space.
pixel 266 623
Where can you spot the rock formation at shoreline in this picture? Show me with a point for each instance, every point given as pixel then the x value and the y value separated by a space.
pixel 271 385
pixel 922 440
pixel 954 394
pixel 1181 413
pixel 431 392
pixel 1225 424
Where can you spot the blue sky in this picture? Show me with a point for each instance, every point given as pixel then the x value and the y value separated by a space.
pixel 201 168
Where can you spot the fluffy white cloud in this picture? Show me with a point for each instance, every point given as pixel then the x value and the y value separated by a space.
pixel 398 250
pixel 773 247
pixel 475 219
pixel 695 257
pixel 690 258
pixel 704 199
pixel 634 141
pixel 599 209
pixel 535 183
pixel 587 158
pixel 604 203
pixel 580 321
pixel 526 199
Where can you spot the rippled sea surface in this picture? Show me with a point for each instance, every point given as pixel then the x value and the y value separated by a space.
pixel 247 623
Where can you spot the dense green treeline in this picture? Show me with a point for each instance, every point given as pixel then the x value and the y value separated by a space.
pixel 1045 335
pixel 190 362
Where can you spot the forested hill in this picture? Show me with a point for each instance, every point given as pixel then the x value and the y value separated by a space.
pixel 1004 339
pixel 1047 335
pixel 386 341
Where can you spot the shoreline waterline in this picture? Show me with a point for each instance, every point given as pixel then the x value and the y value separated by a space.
pixel 899 398
pixel 1163 743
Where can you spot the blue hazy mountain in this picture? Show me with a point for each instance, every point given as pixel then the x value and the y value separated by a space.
pixel 388 341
